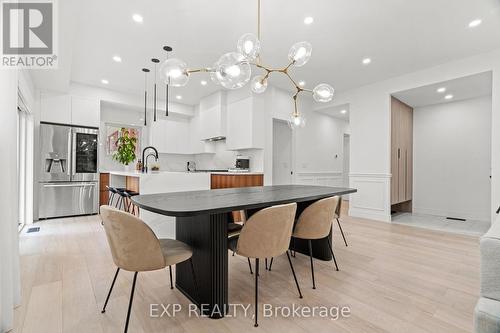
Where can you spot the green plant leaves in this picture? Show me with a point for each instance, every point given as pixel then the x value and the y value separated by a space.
pixel 125 153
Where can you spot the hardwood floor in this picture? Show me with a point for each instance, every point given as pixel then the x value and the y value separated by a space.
pixel 394 278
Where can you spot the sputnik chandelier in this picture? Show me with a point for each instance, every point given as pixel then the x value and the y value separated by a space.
pixel 233 70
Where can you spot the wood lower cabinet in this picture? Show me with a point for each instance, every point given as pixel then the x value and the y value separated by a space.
pixel 103 191
pixel 232 181
pixel 401 155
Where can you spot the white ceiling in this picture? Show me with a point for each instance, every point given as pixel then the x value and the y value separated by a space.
pixel 399 37
pixel 462 88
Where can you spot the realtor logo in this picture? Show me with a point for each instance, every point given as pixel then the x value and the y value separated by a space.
pixel 28 34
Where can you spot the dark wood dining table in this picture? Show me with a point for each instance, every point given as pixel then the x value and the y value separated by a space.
pixel 202 219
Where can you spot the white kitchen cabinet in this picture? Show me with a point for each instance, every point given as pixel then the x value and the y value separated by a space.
pixel 171 136
pixel 84 111
pixel 69 110
pixel 55 108
pixel 245 126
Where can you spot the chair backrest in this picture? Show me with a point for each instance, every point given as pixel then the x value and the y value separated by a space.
pixel 134 246
pixel 267 233
pixel 316 220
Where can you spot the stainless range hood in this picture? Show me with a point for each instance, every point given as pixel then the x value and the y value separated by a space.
pixel 216 138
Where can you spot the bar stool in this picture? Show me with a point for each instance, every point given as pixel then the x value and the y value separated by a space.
pixel 266 234
pixel 135 247
pixel 111 195
pixel 128 195
pixel 315 222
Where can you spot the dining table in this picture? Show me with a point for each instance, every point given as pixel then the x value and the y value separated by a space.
pixel 201 221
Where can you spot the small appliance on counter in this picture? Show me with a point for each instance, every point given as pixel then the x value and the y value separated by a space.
pixel 69 175
pixel 242 164
pixel 191 166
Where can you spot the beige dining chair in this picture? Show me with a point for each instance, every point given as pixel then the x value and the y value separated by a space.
pixel 337 217
pixel 135 248
pixel 315 222
pixel 266 234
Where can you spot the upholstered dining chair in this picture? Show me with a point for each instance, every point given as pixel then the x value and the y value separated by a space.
pixel 315 222
pixel 337 217
pixel 135 248
pixel 266 234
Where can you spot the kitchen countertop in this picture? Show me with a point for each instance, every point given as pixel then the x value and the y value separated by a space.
pixel 134 173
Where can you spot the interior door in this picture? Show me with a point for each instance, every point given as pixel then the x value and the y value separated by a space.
pixel 85 146
pixel 282 153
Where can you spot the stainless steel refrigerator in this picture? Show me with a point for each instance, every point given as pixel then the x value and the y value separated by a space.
pixel 69 171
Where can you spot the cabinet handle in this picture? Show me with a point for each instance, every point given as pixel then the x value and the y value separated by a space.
pixel 399 153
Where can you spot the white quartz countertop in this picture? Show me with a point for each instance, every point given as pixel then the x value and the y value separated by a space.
pixel 134 173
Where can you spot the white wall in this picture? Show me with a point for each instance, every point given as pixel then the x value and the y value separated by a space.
pixel 318 152
pixel 9 240
pixel 451 154
pixel 370 131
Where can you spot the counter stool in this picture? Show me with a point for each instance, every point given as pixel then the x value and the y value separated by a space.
pixel 128 195
pixel 135 248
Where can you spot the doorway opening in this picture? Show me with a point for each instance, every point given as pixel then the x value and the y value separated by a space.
pixel 441 155
pixel 282 153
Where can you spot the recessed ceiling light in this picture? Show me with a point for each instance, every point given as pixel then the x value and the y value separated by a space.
pixel 117 58
pixel 441 90
pixel 308 20
pixel 343 111
pixel 203 82
pixel 178 97
pixel 104 81
pixel 475 23
pixel 450 96
pixel 302 83
pixel 366 61
pixel 138 18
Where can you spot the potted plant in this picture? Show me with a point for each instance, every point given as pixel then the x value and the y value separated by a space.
pixel 126 145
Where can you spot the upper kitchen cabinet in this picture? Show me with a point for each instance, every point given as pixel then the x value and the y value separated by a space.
pixel 245 124
pixel 212 114
pixel 55 108
pixel 70 110
pixel 84 112
pixel 171 136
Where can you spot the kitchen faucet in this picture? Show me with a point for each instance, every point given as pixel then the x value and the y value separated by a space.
pixel 144 160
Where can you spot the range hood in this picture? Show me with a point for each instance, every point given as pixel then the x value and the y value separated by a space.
pixel 215 138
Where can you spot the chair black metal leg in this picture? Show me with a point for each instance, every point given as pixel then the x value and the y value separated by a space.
pixel 265 259
pixel 293 245
pixel 256 324
pixel 195 281
pixel 293 272
pixel 130 302
pixel 110 289
pixel 271 263
pixel 170 271
pixel 250 265
pixel 110 198
pixel 342 232
pixel 333 255
pixel 312 265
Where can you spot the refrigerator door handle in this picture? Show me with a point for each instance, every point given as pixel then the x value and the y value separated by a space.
pixel 69 185
pixel 73 154
pixel 70 159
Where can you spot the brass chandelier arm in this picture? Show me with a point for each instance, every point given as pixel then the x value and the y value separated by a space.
pixel 200 70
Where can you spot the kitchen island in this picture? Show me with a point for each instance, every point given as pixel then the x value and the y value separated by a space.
pixel 171 181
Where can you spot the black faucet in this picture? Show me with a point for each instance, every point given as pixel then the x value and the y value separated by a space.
pixel 144 160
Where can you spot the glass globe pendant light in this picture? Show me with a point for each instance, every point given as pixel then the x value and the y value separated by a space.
pixel 259 84
pixel 249 46
pixel 323 93
pixel 300 53
pixel 174 72
pixel 232 70
pixel 296 119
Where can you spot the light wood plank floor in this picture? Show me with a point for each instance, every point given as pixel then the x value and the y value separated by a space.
pixel 394 278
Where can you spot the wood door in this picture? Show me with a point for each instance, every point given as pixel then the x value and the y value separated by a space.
pixel 395 135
